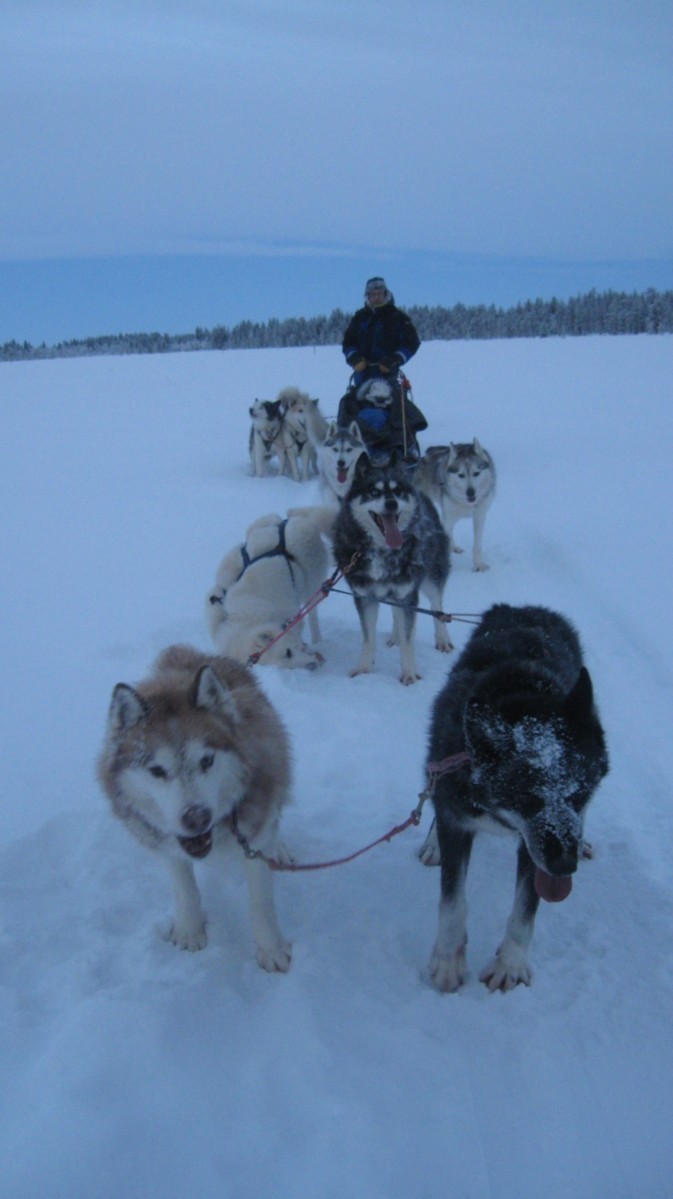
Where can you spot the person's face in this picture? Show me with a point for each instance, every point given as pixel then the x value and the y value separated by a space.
pixel 376 296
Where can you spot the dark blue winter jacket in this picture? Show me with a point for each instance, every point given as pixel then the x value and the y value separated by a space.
pixel 376 333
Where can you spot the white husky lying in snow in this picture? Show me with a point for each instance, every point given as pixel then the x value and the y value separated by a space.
pixel 262 583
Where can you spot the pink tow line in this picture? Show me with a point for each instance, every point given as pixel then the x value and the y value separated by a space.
pixel 435 770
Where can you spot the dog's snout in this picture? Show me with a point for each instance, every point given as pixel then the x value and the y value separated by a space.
pixel 560 859
pixel 471 495
pixel 197 819
pixel 390 504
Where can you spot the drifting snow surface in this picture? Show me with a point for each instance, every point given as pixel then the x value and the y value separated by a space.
pixel 132 1069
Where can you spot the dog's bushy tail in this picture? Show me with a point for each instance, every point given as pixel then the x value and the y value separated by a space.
pixel 316 425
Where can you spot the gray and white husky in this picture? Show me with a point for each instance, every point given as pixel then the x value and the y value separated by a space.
pixel 391 538
pixel 518 707
pixel 338 450
pixel 337 458
pixel 188 751
pixel 460 479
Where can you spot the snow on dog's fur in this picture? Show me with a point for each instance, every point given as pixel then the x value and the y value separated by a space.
pixel 460 479
pixel 519 704
pixel 185 750
pixel 262 582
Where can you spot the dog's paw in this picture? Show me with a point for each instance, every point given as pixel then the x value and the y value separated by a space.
pixel 481 566
pixel 282 854
pixel 448 974
pixel 429 851
pixel 443 643
pixel 408 677
pixel 456 549
pixel 359 669
pixel 508 968
pixel 191 937
pixel 275 958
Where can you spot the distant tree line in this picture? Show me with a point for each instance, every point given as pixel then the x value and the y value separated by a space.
pixel 610 312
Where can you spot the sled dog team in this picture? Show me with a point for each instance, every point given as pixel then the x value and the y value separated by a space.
pixel 195 756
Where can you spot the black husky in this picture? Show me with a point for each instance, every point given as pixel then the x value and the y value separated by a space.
pixel 519 701
pixel 392 539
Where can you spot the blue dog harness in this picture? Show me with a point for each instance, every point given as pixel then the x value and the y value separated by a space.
pixel 281 549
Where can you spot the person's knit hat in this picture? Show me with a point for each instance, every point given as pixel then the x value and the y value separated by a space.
pixel 377 283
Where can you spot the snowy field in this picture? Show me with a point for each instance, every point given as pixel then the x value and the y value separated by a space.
pixel 132 1069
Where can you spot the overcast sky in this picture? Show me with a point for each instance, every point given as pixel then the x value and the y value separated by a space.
pixel 502 128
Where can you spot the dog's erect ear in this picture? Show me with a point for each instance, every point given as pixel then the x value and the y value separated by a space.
pixel 211 695
pixel 126 709
pixel 363 467
pixel 476 446
pixel 579 705
pixel 331 429
pixel 355 431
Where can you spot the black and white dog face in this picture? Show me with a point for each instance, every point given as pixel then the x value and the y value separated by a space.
pixel 266 413
pixel 383 503
pixel 536 763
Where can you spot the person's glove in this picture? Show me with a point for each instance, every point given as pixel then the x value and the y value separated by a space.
pixel 356 362
pixel 389 362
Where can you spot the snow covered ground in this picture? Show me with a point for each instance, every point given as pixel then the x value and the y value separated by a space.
pixel 131 1069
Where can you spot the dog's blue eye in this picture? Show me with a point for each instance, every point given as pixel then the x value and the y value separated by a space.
pixel 158 772
pixel 207 761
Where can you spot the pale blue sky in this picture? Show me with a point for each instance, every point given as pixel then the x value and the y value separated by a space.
pixel 474 142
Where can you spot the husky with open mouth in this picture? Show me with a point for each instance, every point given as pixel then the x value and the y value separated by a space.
pixel 390 539
pixel 193 754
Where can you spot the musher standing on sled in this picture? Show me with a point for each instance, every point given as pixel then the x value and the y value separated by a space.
pixel 379 340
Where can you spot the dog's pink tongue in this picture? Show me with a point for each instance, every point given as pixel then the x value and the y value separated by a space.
pixel 391 532
pixel 554 890
pixel 342 474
